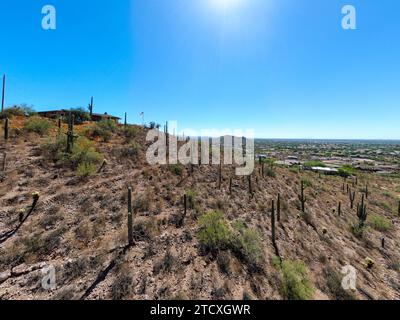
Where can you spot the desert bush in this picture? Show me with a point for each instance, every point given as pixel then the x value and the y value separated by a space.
pixel 380 223
pixel 269 172
pixel 295 283
pixel 307 182
pixel 83 151
pixel 130 133
pixel 145 228
pixel 166 263
pixel 85 169
pixel 214 232
pixel 37 125
pixel 334 283
pixel 346 171
pixel 122 285
pixel 80 115
pixel 131 150
pixel 247 243
pixel 314 163
pixel 357 230
pixel 176 169
pixel 103 129
pixel 17 110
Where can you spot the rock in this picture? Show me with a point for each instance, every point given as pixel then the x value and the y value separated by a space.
pixel 5 275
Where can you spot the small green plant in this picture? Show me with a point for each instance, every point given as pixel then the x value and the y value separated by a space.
pixel 103 129
pixel 357 230
pixel 380 223
pixel 334 283
pixel 214 231
pixel 176 169
pixel 314 163
pixel 37 125
pixel 306 183
pixel 83 151
pixel 85 170
pixel 346 171
pixel 80 115
pixel 130 133
pixel 247 243
pixel 22 110
pixel 295 283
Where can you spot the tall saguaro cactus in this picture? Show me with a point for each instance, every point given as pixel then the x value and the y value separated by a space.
pixel 273 234
pixel 362 213
pixel 352 196
pixel 70 133
pixel 3 93
pixel 250 185
pixel 278 208
pixel 220 176
pixel 130 217
pixel 91 107
pixel 302 197
pixel 6 125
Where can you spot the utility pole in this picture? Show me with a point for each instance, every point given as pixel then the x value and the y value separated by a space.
pixel 4 93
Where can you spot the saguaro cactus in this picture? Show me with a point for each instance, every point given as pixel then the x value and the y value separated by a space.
pixel 340 209
pixel 250 185
pixel 220 176
pixel 91 107
pixel 3 93
pixel 362 213
pixel 5 164
pixel 182 218
pixel 278 208
pixel 126 119
pixel 130 217
pixel 302 197
pixel 70 133
pixel 273 234
pixel 366 192
pixel 6 124
pixel 352 196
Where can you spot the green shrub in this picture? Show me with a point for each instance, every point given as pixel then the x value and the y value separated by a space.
pixel 247 243
pixel 130 133
pixel 306 182
pixel 346 171
pixel 80 116
pixel 380 223
pixel 176 169
pixel 103 129
pixel 83 152
pixel 85 169
pixel 214 232
pixel 38 125
pixel 357 230
pixel 296 284
pixel 314 163
pixel 334 283
pixel 17 110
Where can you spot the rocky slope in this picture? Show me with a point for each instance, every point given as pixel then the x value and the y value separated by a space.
pixel 79 226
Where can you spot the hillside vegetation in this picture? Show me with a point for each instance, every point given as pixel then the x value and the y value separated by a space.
pixel 225 247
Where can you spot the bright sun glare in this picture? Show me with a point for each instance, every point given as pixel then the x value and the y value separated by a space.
pixel 225 4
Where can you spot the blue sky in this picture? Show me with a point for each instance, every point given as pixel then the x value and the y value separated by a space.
pixel 284 68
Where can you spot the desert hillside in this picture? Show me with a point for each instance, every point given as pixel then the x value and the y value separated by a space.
pixel 221 249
